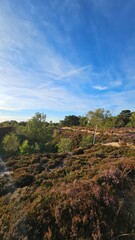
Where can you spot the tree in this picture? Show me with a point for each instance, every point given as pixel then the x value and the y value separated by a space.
pixel 97 118
pixel 71 120
pixel 109 122
pixel 37 129
pixel 21 131
pixel 11 143
pixel 83 121
pixel 123 118
pixel 132 119
pixel 12 123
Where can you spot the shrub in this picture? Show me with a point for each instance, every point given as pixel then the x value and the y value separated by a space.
pixel 11 143
pixel 25 148
pixel 36 147
pixel 86 140
pixel 65 145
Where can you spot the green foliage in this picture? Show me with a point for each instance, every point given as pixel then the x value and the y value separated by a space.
pixel 71 120
pixel 36 128
pixel 21 131
pixel 86 140
pixel 11 123
pixel 98 117
pixel 123 118
pixel 83 121
pixel 25 148
pixel 36 147
pixel 109 122
pixel 132 119
pixel 11 143
pixel 51 147
pixel 65 145
pixel 44 137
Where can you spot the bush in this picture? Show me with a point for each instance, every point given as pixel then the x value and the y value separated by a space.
pixel 11 143
pixel 25 148
pixel 86 140
pixel 65 145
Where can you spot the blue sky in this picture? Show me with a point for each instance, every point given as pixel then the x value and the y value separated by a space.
pixel 66 57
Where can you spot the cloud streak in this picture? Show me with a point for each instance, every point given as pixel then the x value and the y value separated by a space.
pixel 36 74
pixel 100 88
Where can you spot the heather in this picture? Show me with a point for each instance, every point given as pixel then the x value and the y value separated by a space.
pixel 67 182
pixel 69 196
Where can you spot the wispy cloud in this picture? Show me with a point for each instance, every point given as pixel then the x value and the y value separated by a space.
pixel 116 83
pixel 75 72
pixel 28 62
pixel 100 88
pixel 36 74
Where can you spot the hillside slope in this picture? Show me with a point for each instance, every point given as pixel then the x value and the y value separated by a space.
pixel 88 194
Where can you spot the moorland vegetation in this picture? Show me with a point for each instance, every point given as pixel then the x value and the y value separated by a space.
pixel 69 180
pixel 38 135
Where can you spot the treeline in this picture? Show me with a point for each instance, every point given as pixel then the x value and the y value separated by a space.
pixel 37 135
pixel 101 117
pixel 125 118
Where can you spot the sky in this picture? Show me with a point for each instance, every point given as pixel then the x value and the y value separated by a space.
pixel 66 57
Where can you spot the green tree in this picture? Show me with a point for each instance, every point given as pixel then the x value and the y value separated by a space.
pixel 71 120
pixel 37 129
pixel 83 121
pixel 123 118
pixel 65 145
pixel 11 143
pixel 109 122
pixel 11 123
pixel 97 118
pixel 132 119
pixel 21 131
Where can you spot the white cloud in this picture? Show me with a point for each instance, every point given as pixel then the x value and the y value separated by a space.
pixel 100 88
pixel 31 71
pixel 116 83
pixel 34 75
pixel 75 72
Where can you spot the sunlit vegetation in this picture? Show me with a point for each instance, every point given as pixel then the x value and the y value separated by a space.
pixel 65 145
pixel 37 135
pixel 56 183
pixel 60 196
